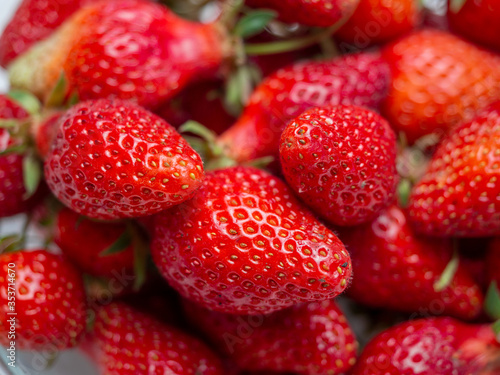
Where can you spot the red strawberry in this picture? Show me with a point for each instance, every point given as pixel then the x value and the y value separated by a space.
pixel 477 21
pixel 307 339
pixel 130 342
pixel 13 198
pixel 73 234
pixel 395 269
pixel 377 21
pixel 354 79
pixel 244 244
pixel 113 159
pixel 321 13
pixel 434 346
pixel 439 81
pixel 50 302
pixel 129 49
pixel 34 20
pixel 459 194
pixel 45 130
pixel 493 262
pixel 341 161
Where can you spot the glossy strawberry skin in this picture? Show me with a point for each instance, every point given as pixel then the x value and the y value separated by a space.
pixel 477 21
pixel 126 49
pixel 396 269
pixel 311 339
pixel 359 79
pixel 377 21
pixel 430 346
pixel 244 245
pixel 12 191
pixel 50 301
pixel 438 81
pixel 341 161
pixel 82 241
pixel 458 195
pixel 113 159
pixel 34 20
pixel 322 13
pixel 127 342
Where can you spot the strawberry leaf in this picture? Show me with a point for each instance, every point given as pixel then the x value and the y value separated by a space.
pixel 404 190
pixel 492 301
pixel 448 273
pixel 456 5
pixel 141 252
pixel 254 22
pixel 27 100
pixel 119 245
pixel 16 149
pixel 9 123
pixel 32 174
pixel 10 243
pixel 58 93
pixel 74 99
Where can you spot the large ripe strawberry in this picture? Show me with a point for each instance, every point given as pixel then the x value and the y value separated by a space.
pixel 438 81
pixel 377 21
pixel 459 194
pixel 13 197
pixel 359 79
pixel 244 244
pixel 113 159
pixel 34 20
pixel 476 20
pixel 73 234
pixel 341 161
pixel 129 49
pixel 321 13
pixel 433 346
pixel 308 339
pixel 396 269
pixel 47 296
pixel 128 342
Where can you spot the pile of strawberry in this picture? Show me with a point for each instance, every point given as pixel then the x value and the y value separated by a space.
pixel 205 191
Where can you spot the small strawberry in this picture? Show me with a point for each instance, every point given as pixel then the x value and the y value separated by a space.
pixel 126 342
pixel 44 131
pixel 73 234
pixel 438 81
pixel 476 20
pixel 433 346
pixel 395 269
pixel 307 339
pixel 341 161
pixel 128 49
pixel 13 195
pixel 43 293
pixel 459 194
pixel 321 13
pixel 359 79
pixel 244 244
pixel 377 21
pixel 113 159
pixel 34 20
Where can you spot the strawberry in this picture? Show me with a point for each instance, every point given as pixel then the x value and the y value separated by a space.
pixel 377 21
pixel 433 346
pixel 34 20
pixel 44 131
pixel 73 234
pixel 341 161
pixel 308 339
pixel 476 20
pixel 13 196
pixel 493 261
pixel 438 81
pixel 395 269
pixel 458 196
pixel 113 159
pixel 321 13
pixel 354 79
pixel 49 307
pixel 245 245
pixel 128 49
pixel 129 342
